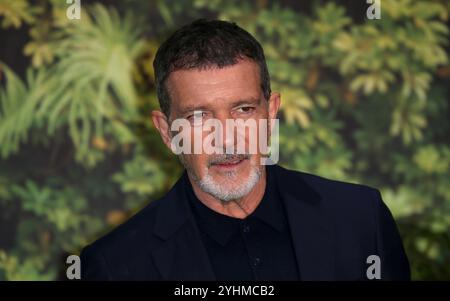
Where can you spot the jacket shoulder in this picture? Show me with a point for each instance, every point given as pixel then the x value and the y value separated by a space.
pixel 327 186
pixel 132 230
pixel 123 253
pixel 343 200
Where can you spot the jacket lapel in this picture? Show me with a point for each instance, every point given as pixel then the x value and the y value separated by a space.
pixel 311 229
pixel 182 255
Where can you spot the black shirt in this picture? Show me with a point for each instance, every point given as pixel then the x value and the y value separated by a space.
pixel 258 247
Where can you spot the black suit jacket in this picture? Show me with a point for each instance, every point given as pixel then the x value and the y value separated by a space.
pixel 335 226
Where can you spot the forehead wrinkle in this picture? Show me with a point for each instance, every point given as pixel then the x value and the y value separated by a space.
pixel 213 83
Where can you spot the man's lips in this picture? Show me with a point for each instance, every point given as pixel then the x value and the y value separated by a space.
pixel 229 164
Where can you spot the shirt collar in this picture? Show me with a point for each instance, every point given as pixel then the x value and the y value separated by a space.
pixel 221 227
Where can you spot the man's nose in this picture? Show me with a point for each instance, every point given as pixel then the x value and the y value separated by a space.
pixel 228 140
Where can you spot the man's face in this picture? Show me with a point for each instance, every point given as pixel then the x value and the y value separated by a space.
pixel 233 92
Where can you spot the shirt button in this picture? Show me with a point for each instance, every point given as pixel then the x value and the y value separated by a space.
pixel 256 261
pixel 246 229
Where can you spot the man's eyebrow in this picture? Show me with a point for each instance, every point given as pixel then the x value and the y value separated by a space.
pixel 239 102
pixel 246 101
pixel 192 108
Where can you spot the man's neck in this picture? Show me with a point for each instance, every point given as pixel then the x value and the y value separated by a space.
pixel 238 208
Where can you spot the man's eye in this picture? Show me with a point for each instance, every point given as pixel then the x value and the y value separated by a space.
pixel 196 117
pixel 246 109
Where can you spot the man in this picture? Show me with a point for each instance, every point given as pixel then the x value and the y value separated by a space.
pixel 229 217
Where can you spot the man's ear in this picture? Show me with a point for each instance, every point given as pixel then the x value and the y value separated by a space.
pixel 162 125
pixel 274 104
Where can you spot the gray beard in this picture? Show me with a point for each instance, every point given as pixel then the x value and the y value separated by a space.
pixel 222 192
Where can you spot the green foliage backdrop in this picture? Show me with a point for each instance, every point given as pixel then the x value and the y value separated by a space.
pixel 362 100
